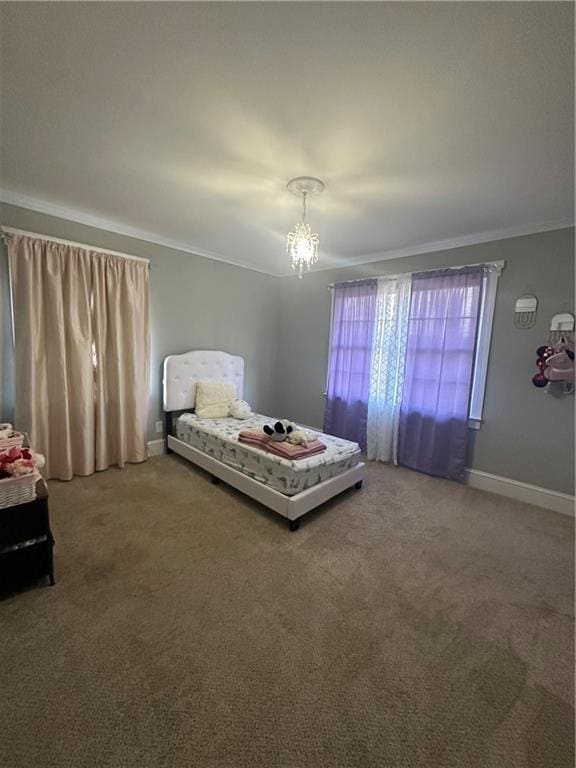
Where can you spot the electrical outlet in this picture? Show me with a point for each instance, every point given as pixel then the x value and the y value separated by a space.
pixel 159 428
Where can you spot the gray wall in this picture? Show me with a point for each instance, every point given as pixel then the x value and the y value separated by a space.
pixel 196 303
pixel 527 434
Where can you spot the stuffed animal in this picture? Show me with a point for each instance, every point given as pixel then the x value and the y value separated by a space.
pixel 279 432
pixel 287 430
pixel 6 431
pixel 299 437
pixel 240 409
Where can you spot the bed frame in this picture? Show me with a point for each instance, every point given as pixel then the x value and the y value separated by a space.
pixel 181 372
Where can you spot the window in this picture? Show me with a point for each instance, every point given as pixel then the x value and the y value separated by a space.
pixel 485 320
pixel 483 340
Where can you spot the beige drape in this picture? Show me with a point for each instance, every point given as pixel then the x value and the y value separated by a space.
pixel 81 322
pixel 121 336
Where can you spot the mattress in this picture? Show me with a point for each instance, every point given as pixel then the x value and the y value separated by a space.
pixel 219 438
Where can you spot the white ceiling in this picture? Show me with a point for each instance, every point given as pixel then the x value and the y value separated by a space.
pixel 427 121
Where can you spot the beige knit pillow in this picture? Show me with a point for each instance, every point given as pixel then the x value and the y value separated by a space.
pixel 213 399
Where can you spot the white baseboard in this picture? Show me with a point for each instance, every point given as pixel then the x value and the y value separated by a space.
pixel 515 489
pixel 156 447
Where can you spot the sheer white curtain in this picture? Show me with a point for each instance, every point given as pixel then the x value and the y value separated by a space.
pixel 388 359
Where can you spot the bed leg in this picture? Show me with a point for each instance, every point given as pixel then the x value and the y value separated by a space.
pixel 168 429
pixel 358 485
pixel 293 525
pixel 215 480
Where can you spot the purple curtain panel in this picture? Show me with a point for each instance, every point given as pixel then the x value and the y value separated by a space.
pixel 433 433
pixel 353 318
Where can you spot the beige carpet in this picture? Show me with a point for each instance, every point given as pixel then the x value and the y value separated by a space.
pixel 414 623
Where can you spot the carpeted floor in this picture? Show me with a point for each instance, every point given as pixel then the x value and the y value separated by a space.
pixel 414 623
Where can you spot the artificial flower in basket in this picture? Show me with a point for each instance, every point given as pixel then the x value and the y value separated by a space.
pixel 18 475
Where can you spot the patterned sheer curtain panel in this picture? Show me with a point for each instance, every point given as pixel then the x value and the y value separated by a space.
pixel 387 371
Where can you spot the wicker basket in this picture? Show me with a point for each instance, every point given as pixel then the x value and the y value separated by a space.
pixel 12 442
pixel 18 490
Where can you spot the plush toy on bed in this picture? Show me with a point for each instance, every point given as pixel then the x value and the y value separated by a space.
pixel 279 432
pixel 240 409
pixel 286 430
pixel 299 437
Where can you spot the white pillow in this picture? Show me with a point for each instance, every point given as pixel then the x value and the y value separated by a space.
pixel 213 399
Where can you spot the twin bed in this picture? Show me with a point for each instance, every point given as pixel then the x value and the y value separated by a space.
pixel 290 488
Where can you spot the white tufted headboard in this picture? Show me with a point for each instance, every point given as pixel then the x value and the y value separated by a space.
pixel 181 372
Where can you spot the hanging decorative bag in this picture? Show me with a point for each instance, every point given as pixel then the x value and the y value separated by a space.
pixel 555 364
pixel 555 360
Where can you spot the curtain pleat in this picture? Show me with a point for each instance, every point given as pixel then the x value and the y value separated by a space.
pixel 122 339
pixel 53 334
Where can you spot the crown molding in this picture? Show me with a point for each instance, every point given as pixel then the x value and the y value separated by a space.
pixel 448 244
pixel 89 220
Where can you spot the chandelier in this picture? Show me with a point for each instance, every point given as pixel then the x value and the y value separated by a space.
pixel 302 243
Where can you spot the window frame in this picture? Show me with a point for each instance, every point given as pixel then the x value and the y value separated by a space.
pixel 492 271
pixel 483 343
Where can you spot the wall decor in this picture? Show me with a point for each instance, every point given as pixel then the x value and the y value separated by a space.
pixel 525 311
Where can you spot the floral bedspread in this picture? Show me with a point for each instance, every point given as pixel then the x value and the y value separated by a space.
pixel 219 438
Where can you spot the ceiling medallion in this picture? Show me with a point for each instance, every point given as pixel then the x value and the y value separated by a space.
pixel 302 243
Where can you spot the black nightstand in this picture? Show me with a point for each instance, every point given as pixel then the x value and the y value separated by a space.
pixel 26 542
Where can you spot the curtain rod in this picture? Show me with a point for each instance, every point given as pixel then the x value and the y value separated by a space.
pixel 85 246
pixel 497 265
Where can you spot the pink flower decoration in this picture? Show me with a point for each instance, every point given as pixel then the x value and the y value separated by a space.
pixel 17 462
pixel 22 467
